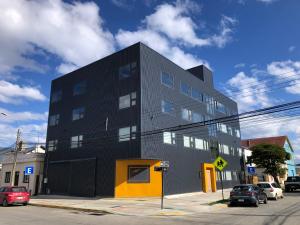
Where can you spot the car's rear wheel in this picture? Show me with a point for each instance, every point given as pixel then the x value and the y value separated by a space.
pixel 266 200
pixel 4 203
pixel 256 204
pixel 25 203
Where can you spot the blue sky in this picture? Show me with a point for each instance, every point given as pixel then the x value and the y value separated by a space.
pixel 252 46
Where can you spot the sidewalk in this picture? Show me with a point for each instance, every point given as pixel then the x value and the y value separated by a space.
pixel 174 205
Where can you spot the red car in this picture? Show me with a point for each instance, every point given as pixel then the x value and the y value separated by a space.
pixel 13 195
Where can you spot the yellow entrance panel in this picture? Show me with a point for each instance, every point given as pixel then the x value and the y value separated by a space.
pixel 126 186
pixel 209 178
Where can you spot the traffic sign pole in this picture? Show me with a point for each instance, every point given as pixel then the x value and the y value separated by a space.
pixel 162 189
pixel 221 178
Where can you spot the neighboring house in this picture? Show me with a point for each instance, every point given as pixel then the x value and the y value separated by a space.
pixel 281 141
pixel 99 115
pixel 29 157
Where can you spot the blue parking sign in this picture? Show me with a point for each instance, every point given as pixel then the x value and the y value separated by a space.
pixel 251 170
pixel 29 170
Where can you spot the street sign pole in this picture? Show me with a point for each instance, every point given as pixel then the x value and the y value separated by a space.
pixel 221 178
pixel 162 189
pixel 28 183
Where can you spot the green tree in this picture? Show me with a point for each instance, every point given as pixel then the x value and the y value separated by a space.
pixel 270 157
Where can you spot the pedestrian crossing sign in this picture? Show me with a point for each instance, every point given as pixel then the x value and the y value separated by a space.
pixel 220 163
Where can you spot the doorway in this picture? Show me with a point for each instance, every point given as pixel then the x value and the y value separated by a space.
pixel 209 183
pixel 16 181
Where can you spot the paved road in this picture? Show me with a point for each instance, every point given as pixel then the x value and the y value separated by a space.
pixel 283 211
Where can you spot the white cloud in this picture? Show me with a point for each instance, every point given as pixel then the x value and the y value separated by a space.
pixel 266 1
pixel 72 31
pixel 15 94
pixel 29 133
pixel 240 65
pixel 292 48
pixel 125 4
pixel 248 92
pixel 21 116
pixel 286 71
pixel 157 31
pixel 66 68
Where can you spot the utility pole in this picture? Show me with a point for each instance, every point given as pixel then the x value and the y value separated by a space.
pixel 15 157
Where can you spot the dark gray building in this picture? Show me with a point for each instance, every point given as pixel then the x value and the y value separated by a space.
pixel 101 113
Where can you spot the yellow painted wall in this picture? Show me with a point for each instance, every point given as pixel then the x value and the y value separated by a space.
pixel 125 189
pixel 205 179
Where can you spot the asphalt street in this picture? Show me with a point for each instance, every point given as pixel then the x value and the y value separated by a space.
pixel 283 211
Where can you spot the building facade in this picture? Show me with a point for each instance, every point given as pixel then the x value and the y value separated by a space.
pixel 109 125
pixel 32 157
pixel 281 141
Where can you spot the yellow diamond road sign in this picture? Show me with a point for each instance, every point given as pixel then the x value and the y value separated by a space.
pixel 220 163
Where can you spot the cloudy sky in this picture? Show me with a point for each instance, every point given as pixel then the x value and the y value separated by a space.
pixel 252 46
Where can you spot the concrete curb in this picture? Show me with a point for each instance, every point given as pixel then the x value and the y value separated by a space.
pixel 70 208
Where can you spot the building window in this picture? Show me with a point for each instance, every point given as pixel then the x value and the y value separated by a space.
pixel 197 95
pixel 127 70
pixel 169 138
pixel 228 175
pixel 79 88
pixel 224 149
pixel 127 100
pixel 210 108
pixel 185 89
pixel 220 107
pixel 234 175
pixel 78 113
pixel 127 133
pixel 76 141
pixel 56 96
pixel 212 130
pixel 240 151
pixel 167 79
pixel 138 174
pixel 7 177
pixel 52 145
pixel 188 142
pixel 25 178
pixel 186 114
pixel 196 117
pixel 54 120
pixel 167 107
pixel 237 133
pixel 222 127
pixel 229 130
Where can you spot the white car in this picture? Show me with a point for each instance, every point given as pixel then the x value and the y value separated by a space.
pixel 272 189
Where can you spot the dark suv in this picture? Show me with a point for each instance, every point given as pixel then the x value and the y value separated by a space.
pixel 247 194
pixel 292 183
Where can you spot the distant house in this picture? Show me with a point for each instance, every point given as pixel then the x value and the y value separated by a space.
pixel 298 169
pixel 27 157
pixel 281 141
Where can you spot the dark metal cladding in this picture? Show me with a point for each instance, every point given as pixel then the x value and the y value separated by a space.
pixel 90 169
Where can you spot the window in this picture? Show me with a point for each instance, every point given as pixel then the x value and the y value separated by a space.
pixel 52 145
pixel 224 149
pixel 167 107
pixel 197 95
pixel 237 133
pixel 240 151
pixel 78 113
pixel 220 107
pixel 127 133
pixel 201 144
pixel 186 114
pixel 169 138
pixel 188 142
pixel 167 79
pixel 139 174
pixel 79 88
pixel 56 96
pixel 127 70
pixel 54 120
pixel 127 100
pixel 228 175
pixel 222 127
pixel 212 130
pixel 234 175
pixel 196 117
pixel 76 141
pixel 229 130
pixel 185 89
pixel 7 177
pixel 210 108
pixel 25 178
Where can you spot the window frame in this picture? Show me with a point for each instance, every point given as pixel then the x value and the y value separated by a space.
pixel 53 146
pixel 165 103
pixel 131 70
pixel 172 136
pixel 127 137
pixel 54 120
pixel 169 76
pixel 7 177
pixel 56 96
pixel 80 88
pixel 78 143
pixel 80 112
pixel 26 178
pixel 131 100
pixel 138 181
pixel 186 86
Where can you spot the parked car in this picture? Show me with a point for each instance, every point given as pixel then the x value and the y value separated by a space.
pixel 247 194
pixel 13 195
pixel 292 183
pixel 272 189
